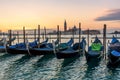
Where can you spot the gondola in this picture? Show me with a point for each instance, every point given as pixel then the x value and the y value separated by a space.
pixel 72 51
pixel 3 42
pixel 95 51
pixel 2 39
pixel 114 52
pixel 48 49
pixel 63 46
pixel 2 49
pixel 22 48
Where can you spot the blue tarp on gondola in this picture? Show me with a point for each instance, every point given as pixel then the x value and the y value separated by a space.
pixel 69 43
pixel 114 40
pixel 32 44
pixel 115 53
pixel 2 47
pixel 23 45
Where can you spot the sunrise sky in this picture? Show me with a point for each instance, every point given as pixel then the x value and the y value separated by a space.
pixel 14 14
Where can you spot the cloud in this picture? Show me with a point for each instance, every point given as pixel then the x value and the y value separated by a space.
pixel 111 16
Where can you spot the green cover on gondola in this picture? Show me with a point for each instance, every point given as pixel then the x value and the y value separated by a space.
pixel 96 46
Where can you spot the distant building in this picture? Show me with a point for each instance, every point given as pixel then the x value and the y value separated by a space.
pixel 116 32
pixel 52 33
pixel 65 26
pixel 31 31
pixel 74 29
pixel 91 32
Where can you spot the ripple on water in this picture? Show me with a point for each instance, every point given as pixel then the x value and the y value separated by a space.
pixel 5 64
pixel 25 67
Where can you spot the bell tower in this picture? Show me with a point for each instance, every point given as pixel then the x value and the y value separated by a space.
pixel 65 25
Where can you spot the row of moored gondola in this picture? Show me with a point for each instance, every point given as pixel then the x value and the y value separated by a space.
pixel 66 50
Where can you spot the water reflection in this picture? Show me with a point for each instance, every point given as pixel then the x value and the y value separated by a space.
pixel 5 55
pixel 43 60
pixel 91 68
pixel 14 67
pixel 113 73
pixel 65 69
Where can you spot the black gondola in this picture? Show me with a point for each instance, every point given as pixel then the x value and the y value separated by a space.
pixel 72 51
pixel 22 48
pixel 3 42
pixel 48 49
pixel 95 51
pixel 114 52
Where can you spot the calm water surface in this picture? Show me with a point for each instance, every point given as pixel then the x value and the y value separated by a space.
pixel 25 67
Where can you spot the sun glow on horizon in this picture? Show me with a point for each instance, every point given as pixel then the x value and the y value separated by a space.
pixel 29 13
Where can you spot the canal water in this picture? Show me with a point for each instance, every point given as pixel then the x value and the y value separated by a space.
pixel 25 67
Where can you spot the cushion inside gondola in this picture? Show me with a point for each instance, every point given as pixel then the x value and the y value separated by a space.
pixel 115 53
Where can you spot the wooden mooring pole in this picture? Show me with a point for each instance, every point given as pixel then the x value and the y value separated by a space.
pixel 13 35
pixel 104 41
pixel 24 34
pixel 73 32
pixel 10 36
pixel 39 33
pixel 50 37
pixel 58 33
pixel 34 34
pixel 79 32
pixel 79 35
pixel 45 32
pixel 18 36
pixel 88 33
